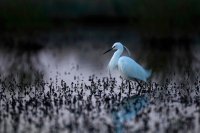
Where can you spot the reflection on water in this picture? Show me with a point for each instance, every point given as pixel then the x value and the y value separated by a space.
pixel 129 108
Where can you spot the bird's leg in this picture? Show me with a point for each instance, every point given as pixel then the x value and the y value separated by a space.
pixel 149 87
pixel 123 79
pixel 139 91
pixel 110 74
pixel 129 87
pixel 146 85
pixel 141 87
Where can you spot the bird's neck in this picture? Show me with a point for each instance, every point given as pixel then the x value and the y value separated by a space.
pixel 117 54
pixel 115 58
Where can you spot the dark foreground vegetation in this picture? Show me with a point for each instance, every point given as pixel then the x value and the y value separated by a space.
pixel 98 105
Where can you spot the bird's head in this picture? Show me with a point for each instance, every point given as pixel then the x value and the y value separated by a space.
pixel 117 46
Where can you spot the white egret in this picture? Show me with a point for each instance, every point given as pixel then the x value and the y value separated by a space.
pixel 128 68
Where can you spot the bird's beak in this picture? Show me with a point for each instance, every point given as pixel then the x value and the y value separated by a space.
pixel 108 51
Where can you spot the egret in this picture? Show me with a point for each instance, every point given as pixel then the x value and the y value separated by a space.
pixel 127 67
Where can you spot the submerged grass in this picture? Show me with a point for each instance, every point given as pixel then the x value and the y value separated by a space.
pixel 100 105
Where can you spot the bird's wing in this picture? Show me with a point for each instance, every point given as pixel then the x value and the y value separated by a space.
pixel 130 69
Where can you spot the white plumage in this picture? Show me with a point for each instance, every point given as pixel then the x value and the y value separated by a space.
pixel 125 65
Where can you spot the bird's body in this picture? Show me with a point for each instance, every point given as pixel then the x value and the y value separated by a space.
pixel 127 66
pixel 132 70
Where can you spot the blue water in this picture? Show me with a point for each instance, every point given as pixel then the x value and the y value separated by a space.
pixel 128 110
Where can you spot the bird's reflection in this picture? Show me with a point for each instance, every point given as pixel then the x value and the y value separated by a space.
pixel 128 110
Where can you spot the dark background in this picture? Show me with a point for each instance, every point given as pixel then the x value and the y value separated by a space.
pixel 161 18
